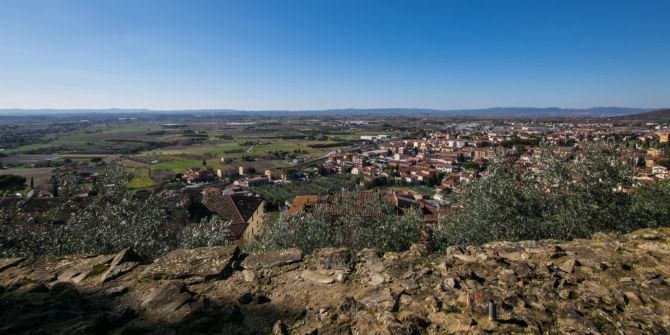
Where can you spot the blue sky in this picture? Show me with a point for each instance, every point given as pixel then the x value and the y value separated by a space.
pixel 310 54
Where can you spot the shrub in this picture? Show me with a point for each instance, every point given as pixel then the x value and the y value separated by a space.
pixel 350 219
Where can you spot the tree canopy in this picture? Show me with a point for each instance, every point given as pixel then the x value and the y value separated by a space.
pixel 559 197
pixel 10 183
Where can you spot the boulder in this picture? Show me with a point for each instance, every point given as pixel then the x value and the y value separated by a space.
pixel 205 263
pixel 265 260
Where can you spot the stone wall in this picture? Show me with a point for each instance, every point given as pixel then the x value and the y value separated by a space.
pixel 607 285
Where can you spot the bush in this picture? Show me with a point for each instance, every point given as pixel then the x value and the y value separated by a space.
pixel 351 219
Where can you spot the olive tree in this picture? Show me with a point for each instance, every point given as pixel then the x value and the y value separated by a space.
pixel 348 219
pixel 565 196
pixel 111 220
pixel 651 205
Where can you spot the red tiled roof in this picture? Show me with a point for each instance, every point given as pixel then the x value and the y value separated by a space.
pixel 236 208
pixel 300 202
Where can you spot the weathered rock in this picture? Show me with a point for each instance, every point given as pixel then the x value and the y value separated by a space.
pixel 569 265
pixel 413 319
pixel 75 275
pixel 205 263
pixel 279 328
pixel 249 276
pixel 116 291
pixel 450 283
pixel 334 258
pixel 507 277
pixel 76 271
pixel 123 262
pixel 6 263
pixel 168 302
pixel 598 289
pixel 271 259
pixel 451 323
pixel 318 276
pixel 378 299
pixel 372 261
pixel 376 280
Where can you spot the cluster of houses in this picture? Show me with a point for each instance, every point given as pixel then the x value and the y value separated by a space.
pixel 430 209
pixel 460 155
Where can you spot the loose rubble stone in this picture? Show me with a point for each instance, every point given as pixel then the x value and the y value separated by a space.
pixel 317 277
pixel 376 280
pixel 451 323
pixel 279 328
pixel 372 261
pixel 334 258
pixel 569 265
pixel 379 299
pixel 249 276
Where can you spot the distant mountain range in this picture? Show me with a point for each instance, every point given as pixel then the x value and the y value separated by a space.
pixel 655 115
pixel 494 112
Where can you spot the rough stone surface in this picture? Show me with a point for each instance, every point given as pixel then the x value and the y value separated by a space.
pixel 6 263
pixel 606 285
pixel 265 260
pixel 203 263
pixel 334 258
pixel 123 262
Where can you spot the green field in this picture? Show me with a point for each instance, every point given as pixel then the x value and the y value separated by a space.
pixel 141 179
pixel 216 149
pixel 140 182
pixel 175 163
pixel 28 147
pixel 128 129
